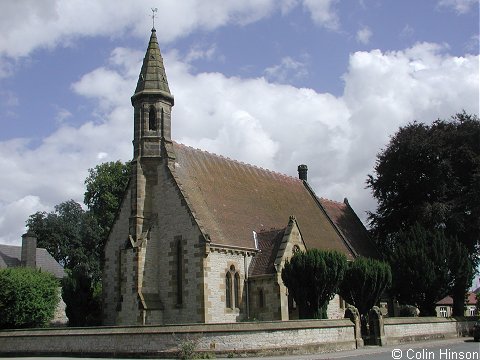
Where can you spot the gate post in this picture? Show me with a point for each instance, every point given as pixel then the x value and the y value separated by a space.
pixel 377 330
pixel 352 313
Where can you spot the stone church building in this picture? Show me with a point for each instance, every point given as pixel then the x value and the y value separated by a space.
pixel 200 238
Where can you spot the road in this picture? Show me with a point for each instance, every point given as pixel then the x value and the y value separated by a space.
pixel 452 349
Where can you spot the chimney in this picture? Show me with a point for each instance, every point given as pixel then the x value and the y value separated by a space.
pixel 29 250
pixel 302 172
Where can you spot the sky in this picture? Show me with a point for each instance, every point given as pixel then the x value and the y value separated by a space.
pixel 273 83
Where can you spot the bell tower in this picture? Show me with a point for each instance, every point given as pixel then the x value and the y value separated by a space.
pixel 152 103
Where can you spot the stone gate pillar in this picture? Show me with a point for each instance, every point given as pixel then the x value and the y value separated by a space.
pixel 377 330
pixel 352 313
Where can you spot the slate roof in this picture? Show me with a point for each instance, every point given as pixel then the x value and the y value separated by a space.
pixel 10 256
pixel 152 76
pixel 268 243
pixel 230 199
pixel 351 227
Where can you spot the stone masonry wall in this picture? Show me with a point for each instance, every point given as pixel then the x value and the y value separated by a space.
pixel 265 287
pixel 216 264
pixel 253 338
pixel 401 330
pixel 336 308
pixel 175 224
pixel 111 272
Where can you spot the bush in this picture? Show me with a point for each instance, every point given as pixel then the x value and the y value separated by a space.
pixel 28 298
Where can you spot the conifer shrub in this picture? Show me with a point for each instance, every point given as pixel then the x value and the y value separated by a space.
pixel 364 282
pixel 312 279
pixel 28 298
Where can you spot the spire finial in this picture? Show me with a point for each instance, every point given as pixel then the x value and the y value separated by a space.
pixel 154 15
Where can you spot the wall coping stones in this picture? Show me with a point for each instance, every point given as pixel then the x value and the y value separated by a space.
pixel 183 328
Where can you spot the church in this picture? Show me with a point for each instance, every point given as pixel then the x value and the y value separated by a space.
pixel 200 238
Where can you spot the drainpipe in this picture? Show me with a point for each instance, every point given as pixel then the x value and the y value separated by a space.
pixel 246 285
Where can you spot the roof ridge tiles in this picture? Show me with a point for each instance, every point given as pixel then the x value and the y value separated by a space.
pixel 332 201
pixel 239 162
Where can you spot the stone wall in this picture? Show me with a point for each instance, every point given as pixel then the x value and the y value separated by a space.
pixel 252 338
pixel 265 298
pixel 402 330
pixel 174 224
pixel 336 308
pixel 112 268
pixel 217 263
pixel 293 337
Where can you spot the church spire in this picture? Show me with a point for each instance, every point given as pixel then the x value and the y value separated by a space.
pixel 152 103
pixel 152 78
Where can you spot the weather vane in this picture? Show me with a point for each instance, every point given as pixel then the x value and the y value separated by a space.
pixel 154 15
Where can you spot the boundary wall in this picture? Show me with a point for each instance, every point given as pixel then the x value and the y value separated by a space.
pixel 254 338
pixel 407 329
pixel 260 338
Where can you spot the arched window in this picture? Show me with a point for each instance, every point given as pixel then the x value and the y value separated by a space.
pixel 232 288
pixel 152 118
pixel 179 272
pixel 228 289
pixel 236 289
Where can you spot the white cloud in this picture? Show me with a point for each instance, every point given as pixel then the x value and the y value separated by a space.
pixel 59 22
pixel 473 44
pixel 198 52
pixel 323 13
pixel 13 217
pixel 364 34
pixel 289 69
pixel 460 6
pixel 407 31
pixel 62 114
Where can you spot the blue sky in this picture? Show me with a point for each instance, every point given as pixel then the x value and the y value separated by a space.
pixel 274 83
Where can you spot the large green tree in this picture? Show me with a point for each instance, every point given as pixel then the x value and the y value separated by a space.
pixel 312 279
pixel 364 282
pixel 105 186
pixel 430 174
pixel 70 234
pixel 76 238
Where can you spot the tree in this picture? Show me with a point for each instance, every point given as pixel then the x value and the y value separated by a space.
pixel 76 238
pixel 462 270
pixel 70 235
pixel 421 274
pixel 105 186
pixel 364 282
pixel 430 174
pixel 82 296
pixel 28 298
pixel 312 279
